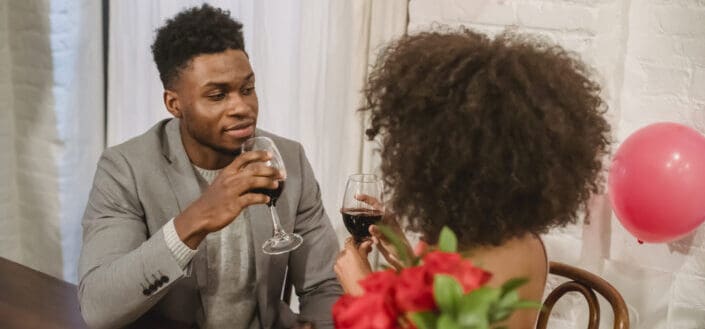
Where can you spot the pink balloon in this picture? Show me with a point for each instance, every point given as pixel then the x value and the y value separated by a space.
pixel 657 182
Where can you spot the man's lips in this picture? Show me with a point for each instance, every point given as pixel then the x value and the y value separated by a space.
pixel 241 130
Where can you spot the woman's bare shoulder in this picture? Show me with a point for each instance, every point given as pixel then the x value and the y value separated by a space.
pixel 521 257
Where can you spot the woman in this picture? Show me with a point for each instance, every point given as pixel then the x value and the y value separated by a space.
pixel 499 139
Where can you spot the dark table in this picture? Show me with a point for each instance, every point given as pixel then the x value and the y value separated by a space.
pixel 31 299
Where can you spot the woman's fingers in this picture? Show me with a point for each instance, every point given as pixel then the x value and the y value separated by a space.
pixel 370 200
pixel 364 248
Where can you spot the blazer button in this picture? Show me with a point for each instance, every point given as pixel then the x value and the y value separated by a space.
pixel 164 279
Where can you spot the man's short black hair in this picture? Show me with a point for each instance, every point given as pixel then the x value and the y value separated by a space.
pixel 192 32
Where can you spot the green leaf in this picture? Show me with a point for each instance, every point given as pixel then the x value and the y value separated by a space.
pixel 424 320
pixel 475 306
pixel 527 304
pixel 508 299
pixel 447 242
pixel 447 292
pixel 399 245
pixel 513 284
pixel 500 314
pixel 476 321
pixel 503 309
pixel 445 321
pixel 484 295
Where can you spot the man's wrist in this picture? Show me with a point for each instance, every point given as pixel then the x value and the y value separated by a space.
pixel 189 229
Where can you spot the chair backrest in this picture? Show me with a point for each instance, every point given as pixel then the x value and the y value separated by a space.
pixel 587 284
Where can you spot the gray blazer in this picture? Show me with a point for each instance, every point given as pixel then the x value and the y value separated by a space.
pixel 143 183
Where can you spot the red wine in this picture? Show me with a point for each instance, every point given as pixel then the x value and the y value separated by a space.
pixel 272 194
pixel 358 221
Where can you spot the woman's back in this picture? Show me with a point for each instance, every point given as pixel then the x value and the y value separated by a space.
pixel 523 257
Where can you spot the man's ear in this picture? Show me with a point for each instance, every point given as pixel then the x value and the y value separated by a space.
pixel 171 101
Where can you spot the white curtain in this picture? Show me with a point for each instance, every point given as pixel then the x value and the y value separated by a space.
pixel 51 128
pixel 310 58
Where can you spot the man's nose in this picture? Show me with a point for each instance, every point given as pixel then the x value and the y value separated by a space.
pixel 237 105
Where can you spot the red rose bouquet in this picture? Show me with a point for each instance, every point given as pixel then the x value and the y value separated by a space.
pixel 436 289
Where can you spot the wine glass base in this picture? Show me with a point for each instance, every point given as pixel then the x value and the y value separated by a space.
pixel 282 243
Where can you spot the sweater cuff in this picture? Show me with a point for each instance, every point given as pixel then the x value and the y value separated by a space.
pixel 181 252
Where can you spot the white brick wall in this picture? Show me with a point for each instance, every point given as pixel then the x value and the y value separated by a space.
pixel 664 64
pixel 650 58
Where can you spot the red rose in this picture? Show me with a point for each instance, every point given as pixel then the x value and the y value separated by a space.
pixel 442 262
pixel 469 276
pixel 371 310
pixel 380 282
pixel 389 295
pixel 414 291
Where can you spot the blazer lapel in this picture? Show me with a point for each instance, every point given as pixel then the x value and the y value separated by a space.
pixel 184 185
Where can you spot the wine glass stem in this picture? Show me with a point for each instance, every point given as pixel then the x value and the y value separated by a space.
pixel 275 221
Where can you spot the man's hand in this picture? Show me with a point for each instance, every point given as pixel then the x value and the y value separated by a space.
pixel 226 197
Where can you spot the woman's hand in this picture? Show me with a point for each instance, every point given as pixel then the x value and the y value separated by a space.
pixel 385 247
pixel 352 266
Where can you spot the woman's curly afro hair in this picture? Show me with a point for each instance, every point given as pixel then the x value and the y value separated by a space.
pixel 495 138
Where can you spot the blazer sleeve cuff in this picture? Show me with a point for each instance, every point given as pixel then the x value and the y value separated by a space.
pixel 160 267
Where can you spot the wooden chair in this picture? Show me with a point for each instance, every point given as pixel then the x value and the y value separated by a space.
pixel 587 284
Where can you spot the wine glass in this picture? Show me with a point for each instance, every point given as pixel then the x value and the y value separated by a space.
pixel 362 205
pixel 281 241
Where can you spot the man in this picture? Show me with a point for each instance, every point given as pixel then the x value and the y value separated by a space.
pixel 171 226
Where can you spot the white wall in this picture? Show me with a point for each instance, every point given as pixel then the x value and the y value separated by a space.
pixel 650 58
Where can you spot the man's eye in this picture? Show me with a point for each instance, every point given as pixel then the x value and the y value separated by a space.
pixel 217 97
pixel 248 91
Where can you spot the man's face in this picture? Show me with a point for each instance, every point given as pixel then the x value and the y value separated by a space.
pixel 217 102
